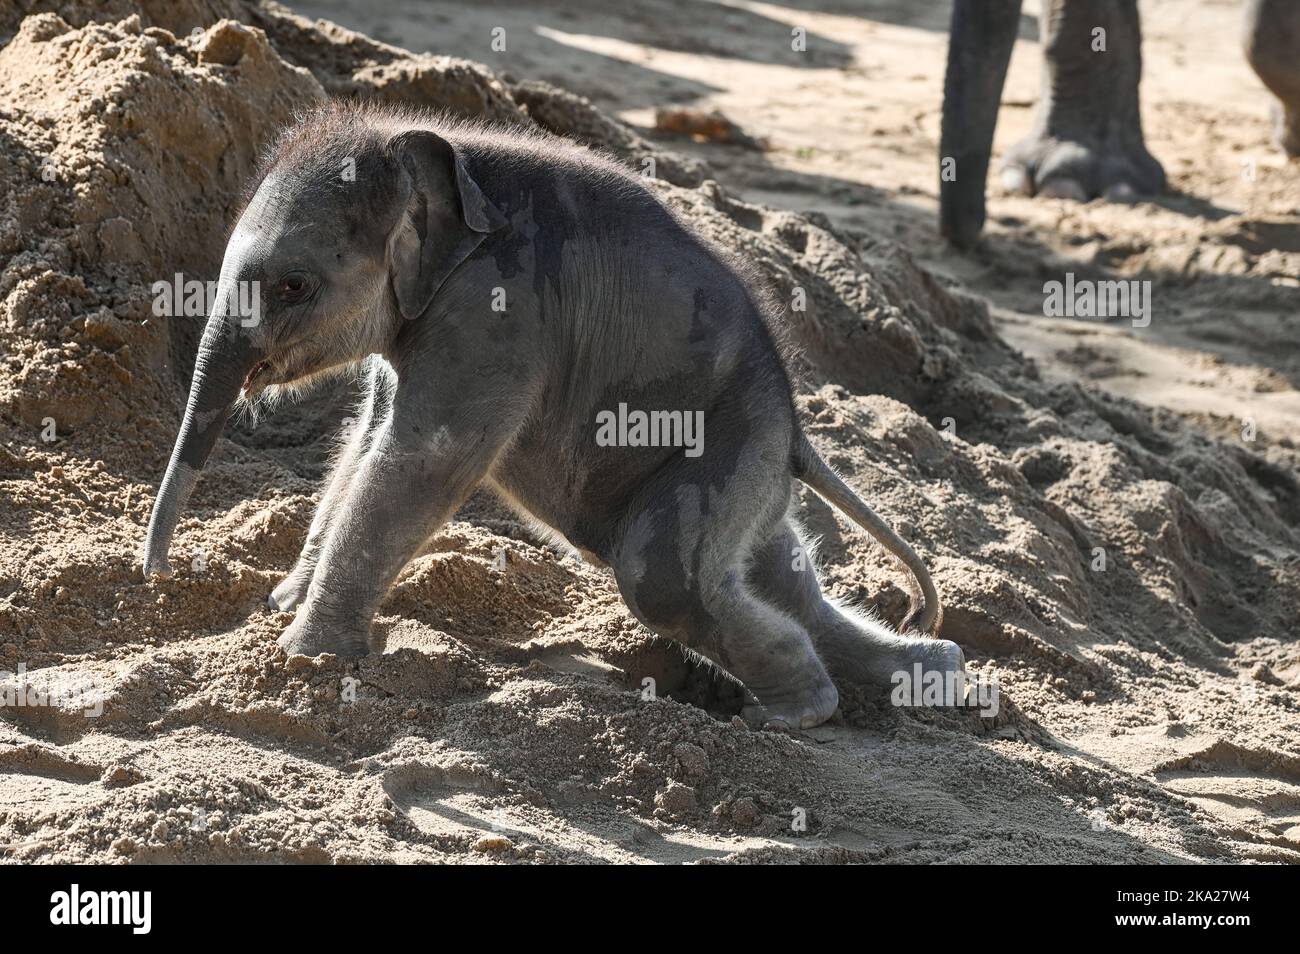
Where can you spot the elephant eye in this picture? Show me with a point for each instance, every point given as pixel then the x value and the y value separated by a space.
pixel 293 287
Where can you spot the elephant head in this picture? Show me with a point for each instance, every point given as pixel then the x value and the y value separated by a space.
pixel 350 232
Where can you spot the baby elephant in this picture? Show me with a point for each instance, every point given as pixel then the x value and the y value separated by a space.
pixel 531 317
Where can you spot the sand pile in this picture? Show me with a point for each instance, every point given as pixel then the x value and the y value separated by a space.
pixel 1131 583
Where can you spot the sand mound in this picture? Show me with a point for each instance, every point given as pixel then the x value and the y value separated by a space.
pixel 1131 583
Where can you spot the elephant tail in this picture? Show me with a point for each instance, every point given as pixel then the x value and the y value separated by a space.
pixel 926 612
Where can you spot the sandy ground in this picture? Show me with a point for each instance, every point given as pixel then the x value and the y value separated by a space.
pixel 1148 706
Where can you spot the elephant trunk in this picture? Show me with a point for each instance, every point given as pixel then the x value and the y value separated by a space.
pixel 225 358
pixel 979 49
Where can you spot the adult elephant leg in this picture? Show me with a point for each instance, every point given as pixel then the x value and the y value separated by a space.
pixel 981 36
pixel 1272 41
pixel 1087 137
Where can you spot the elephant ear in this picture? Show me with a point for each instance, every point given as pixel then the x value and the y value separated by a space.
pixel 445 219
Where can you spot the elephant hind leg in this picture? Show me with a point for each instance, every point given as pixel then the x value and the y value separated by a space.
pixel 680 560
pixel 856 648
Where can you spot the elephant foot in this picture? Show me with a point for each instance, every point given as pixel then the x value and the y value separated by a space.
pixel 1087 139
pixel 291 591
pixel 926 673
pixel 1286 127
pixel 928 657
pixel 867 653
pixel 1119 169
pixel 306 636
pixel 944 659
pixel 785 712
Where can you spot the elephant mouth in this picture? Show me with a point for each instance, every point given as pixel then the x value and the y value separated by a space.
pixel 258 378
pixel 295 362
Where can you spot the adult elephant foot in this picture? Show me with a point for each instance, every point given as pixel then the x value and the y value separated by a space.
pixel 1087 140
pixel 1271 37
pixel 1109 164
pixel 1286 127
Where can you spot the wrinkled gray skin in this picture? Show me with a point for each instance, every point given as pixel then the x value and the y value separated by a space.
pixel 1087 136
pixel 610 299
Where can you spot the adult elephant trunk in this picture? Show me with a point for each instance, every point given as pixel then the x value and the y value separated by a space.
pixel 979 48
pixel 226 355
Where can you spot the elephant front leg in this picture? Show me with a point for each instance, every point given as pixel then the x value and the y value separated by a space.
pixel 292 590
pixel 399 497
pixel 1087 139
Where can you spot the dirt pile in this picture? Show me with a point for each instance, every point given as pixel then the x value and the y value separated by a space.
pixel 1131 583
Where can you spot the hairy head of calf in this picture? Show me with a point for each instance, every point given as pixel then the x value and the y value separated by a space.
pixel 355 221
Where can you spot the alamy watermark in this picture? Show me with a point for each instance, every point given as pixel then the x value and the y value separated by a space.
pixel 133 909
pixel 1085 298
pixel 918 687
pixel 17 691
pixel 192 298
pixel 626 428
